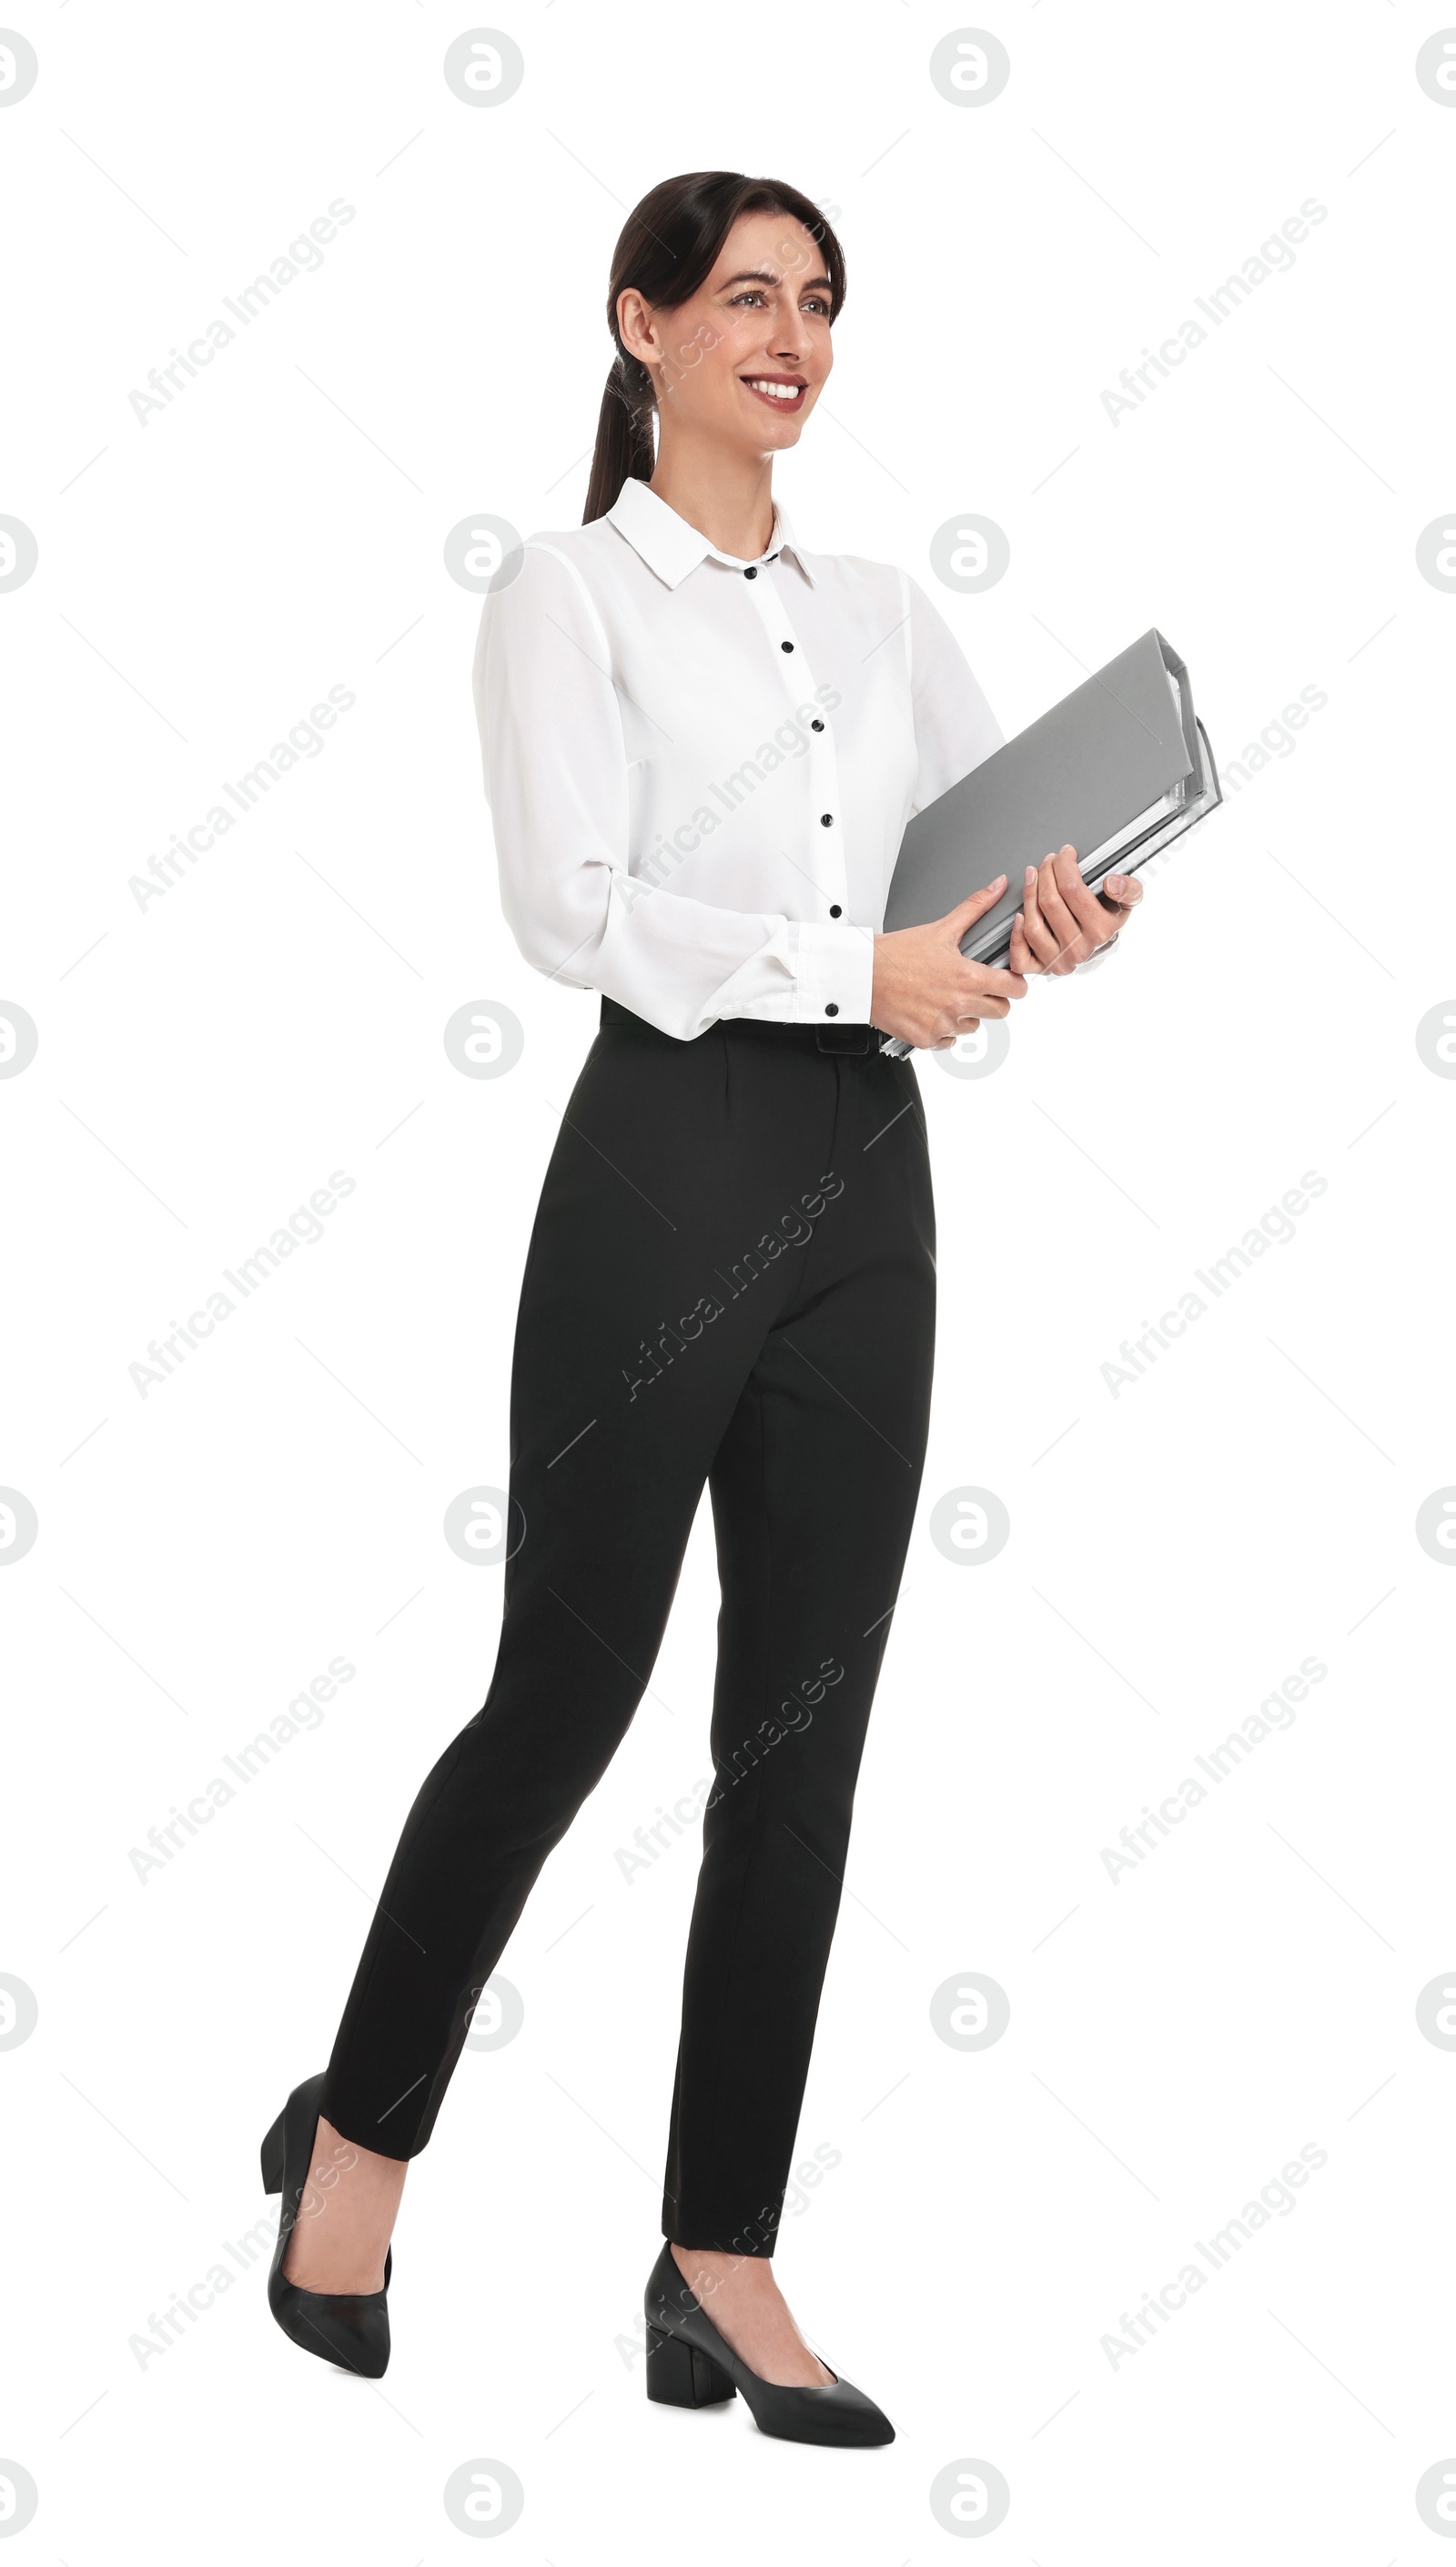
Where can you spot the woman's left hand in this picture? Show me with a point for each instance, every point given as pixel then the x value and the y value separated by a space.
pixel 1062 921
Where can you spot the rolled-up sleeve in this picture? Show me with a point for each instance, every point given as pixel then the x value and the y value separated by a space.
pixel 556 779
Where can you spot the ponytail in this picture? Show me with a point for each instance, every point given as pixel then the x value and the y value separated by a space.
pixel 624 450
pixel 667 248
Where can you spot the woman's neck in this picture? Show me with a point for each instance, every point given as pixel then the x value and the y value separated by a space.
pixel 729 499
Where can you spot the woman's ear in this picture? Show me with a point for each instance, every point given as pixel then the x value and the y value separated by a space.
pixel 635 321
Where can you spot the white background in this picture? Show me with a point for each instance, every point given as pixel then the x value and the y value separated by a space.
pixel 1176 1551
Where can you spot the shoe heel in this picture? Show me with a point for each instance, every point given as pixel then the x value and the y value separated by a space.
pixel 271 2158
pixel 679 2376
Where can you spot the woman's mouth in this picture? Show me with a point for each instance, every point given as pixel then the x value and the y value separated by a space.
pixel 779 392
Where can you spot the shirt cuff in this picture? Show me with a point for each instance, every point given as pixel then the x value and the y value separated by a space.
pixel 833 974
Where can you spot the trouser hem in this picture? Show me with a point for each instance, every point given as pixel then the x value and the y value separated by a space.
pixel 353 2127
pixel 724 2232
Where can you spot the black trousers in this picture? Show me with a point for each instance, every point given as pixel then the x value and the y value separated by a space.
pixel 731 1278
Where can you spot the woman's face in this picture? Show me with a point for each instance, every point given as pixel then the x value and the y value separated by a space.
pixel 745 359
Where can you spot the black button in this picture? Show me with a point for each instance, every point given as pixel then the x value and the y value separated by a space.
pixel 836 911
pixel 826 819
pixel 816 725
pixel 832 1010
pixel 750 574
pixel 786 645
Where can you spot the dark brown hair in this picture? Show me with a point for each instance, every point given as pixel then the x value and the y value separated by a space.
pixel 668 247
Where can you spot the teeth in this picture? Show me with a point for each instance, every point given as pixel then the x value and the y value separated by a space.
pixel 777 391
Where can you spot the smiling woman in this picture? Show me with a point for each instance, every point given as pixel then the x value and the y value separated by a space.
pixel 668 309
pixel 701 744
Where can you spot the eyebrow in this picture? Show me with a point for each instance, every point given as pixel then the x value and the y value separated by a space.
pixel 766 276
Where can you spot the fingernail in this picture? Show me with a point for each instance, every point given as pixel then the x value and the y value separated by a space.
pixel 1029 877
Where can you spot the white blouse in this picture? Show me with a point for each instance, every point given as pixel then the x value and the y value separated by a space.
pixel 699 770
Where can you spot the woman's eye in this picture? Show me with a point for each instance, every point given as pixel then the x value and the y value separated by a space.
pixel 755 294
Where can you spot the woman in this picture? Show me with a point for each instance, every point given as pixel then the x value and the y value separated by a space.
pixel 701 747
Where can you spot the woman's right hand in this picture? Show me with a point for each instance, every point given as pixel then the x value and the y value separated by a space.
pixel 927 990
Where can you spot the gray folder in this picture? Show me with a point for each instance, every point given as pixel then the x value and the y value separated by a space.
pixel 1118 770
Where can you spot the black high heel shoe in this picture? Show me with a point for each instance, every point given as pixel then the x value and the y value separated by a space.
pixel 689 2363
pixel 350 2328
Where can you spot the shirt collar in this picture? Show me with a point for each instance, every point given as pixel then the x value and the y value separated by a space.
pixel 671 547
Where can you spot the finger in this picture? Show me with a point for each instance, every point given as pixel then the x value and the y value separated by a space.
pixel 1121 892
pixel 1024 954
pixel 966 912
pixel 1022 959
pixel 1070 947
pixel 1038 934
pixel 978 980
pixel 1081 901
